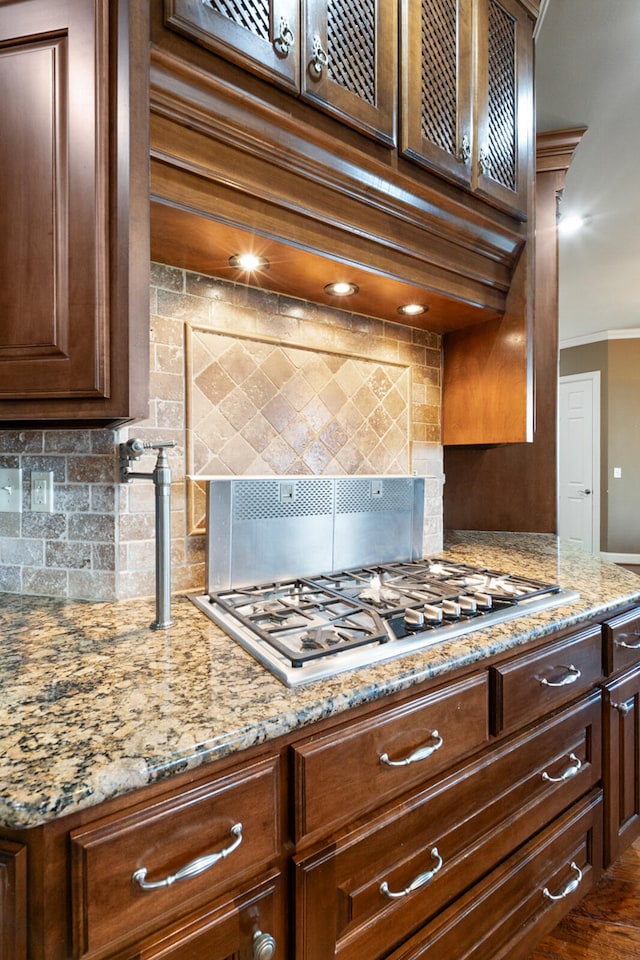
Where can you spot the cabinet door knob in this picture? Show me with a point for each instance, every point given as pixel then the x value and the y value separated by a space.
pixel 284 41
pixel 622 708
pixel 264 946
pixel 319 60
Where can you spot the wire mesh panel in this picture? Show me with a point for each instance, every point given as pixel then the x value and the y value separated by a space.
pixel 439 73
pixel 502 97
pixel 253 16
pixel 351 43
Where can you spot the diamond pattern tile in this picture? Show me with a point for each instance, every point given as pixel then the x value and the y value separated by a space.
pixel 257 407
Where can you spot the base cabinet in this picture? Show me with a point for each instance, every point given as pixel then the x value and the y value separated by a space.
pixel 13 901
pixel 504 916
pixel 496 796
pixel 622 733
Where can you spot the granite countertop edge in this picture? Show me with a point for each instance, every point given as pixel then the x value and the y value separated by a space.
pixel 94 705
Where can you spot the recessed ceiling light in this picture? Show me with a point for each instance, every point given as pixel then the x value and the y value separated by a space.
pixel 412 309
pixel 249 262
pixel 341 289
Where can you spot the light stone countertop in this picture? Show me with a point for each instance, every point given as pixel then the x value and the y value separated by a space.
pixel 94 704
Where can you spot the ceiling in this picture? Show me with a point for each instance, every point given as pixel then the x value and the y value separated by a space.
pixel 588 74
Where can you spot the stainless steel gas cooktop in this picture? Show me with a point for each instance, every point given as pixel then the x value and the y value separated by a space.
pixel 265 536
pixel 306 629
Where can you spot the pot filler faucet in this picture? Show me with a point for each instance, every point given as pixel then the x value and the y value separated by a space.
pixel 161 476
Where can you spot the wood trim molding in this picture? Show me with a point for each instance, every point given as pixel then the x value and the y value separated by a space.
pixel 235 157
pixel 555 148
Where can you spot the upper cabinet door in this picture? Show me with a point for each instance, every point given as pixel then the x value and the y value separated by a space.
pixel 53 242
pixel 504 138
pixel 467 95
pixel 74 219
pixel 436 105
pixel 349 62
pixel 260 35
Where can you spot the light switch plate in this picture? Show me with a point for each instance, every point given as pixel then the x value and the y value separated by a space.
pixel 10 490
pixel 42 491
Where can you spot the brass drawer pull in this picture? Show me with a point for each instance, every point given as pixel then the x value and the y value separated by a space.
pixel 571 676
pixel 570 772
pixel 191 869
pixel 570 887
pixel 628 646
pixel 421 754
pixel 419 881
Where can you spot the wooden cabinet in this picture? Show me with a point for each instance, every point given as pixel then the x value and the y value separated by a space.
pixel 339 55
pixel 262 37
pixel 73 211
pixel 13 900
pixel 622 732
pixel 507 913
pixel 386 754
pixel 461 819
pixel 467 98
pixel 370 889
pixel 147 866
pixel 534 683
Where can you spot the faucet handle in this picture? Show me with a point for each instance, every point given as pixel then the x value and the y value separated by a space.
pixel 159 445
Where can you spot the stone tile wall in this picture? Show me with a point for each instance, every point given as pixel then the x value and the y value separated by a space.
pixel 371 391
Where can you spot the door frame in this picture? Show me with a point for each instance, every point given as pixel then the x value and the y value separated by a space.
pixel 594 376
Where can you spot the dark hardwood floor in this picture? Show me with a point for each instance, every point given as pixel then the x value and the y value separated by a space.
pixel 606 925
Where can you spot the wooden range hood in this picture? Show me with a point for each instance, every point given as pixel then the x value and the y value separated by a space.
pixel 232 165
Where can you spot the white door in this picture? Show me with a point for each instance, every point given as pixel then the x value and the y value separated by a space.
pixel 579 460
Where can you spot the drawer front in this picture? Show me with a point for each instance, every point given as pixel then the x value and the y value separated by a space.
pixel 533 684
pixel 235 928
pixel 343 773
pixel 524 784
pixel 110 907
pixel 507 913
pixel 621 637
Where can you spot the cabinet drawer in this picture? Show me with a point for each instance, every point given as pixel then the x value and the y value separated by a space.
pixel 109 905
pixel 535 683
pixel 524 783
pixel 343 773
pixel 621 637
pixel 235 927
pixel 507 913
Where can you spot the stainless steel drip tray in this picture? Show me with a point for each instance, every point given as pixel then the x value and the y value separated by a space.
pixel 368 655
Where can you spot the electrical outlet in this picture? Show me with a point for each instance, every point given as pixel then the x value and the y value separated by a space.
pixel 377 488
pixel 287 491
pixel 10 490
pixel 42 491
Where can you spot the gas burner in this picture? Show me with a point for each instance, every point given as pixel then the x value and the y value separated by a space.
pixel 307 628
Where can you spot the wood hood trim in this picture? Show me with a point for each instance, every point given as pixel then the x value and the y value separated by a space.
pixel 233 156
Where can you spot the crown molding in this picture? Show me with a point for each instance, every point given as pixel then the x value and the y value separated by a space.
pixel 630 333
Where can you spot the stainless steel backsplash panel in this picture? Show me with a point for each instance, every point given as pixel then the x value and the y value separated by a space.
pixel 261 529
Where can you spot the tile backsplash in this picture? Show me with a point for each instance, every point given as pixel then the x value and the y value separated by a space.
pixel 245 382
